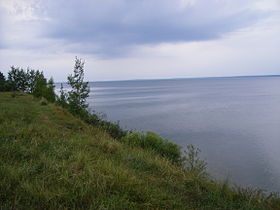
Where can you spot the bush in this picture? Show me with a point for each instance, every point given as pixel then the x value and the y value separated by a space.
pixel 44 103
pixel 40 86
pixel 113 129
pixel 215 195
pixel 62 99
pixel 49 91
pixel 156 143
pixel 192 162
pixel 2 82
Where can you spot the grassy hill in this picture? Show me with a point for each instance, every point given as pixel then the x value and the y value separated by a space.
pixel 52 160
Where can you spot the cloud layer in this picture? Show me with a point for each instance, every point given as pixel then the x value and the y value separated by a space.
pixel 111 28
pixel 133 39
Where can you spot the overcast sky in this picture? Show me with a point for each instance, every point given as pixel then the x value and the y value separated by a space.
pixel 141 39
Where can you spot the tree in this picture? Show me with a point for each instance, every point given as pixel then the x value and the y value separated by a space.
pixel 62 99
pixel 40 85
pixel 30 81
pixel 79 89
pixel 49 93
pixel 17 79
pixel 32 76
pixel 2 82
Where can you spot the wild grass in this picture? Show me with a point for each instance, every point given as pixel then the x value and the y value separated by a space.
pixel 152 141
pixel 52 160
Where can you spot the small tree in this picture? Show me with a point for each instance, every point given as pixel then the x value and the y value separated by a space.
pixel 2 82
pixel 32 79
pixel 40 85
pixel 49 93
pixel 17 79
pixel 80 90
pixel 62 99
pixel 193 163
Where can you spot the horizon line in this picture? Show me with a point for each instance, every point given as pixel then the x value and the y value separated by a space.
pixel 185 78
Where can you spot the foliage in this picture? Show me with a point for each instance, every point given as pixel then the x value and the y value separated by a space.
pixel 209 194
pixel 2 82
pixel 153 141
pixel 192 162
pixel 113 129
pixel 17 79
pixel 62 99
pixel 40 86
pixel 49 91
pixel 75 101
pixel 30 81
pixel 34 77
pixel 52 160
pixel 79 89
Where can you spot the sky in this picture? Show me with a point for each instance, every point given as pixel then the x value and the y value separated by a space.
pixel 141 39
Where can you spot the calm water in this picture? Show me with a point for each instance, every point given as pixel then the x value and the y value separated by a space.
pixel 234 121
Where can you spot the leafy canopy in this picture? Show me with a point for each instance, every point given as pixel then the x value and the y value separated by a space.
pixel 79 89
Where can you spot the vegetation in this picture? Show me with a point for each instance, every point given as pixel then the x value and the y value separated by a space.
pixel 51 160
pixel 29 81
pixel 2 82
pixel 113 129
pixel 55 154
pixel 17 79
pixel 152 141
pixel 192 163
pixel 34 82
pixel 75 99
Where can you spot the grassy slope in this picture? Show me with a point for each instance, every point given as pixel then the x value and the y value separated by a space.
pixel 51 160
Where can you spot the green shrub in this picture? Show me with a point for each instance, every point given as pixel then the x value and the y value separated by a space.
pixel 40 86
pixel 62 98
pixel 215 195
pixel 2 82
pixel 49 91
pixel 113 129
pixel 154 142
pixel 44 103
pixel 192 162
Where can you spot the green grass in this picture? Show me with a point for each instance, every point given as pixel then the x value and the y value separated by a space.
pixel 52 160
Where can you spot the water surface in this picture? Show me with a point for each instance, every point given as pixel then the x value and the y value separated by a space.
pixel 234 121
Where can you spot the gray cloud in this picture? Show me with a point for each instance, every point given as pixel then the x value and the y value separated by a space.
pixel 111 28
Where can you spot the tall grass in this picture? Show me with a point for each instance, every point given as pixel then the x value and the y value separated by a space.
pixel 52 160
pixel 154 142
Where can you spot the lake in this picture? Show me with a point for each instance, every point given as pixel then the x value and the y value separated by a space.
pixel 234 121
